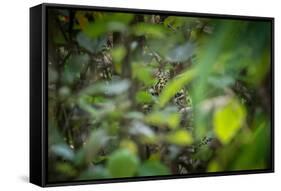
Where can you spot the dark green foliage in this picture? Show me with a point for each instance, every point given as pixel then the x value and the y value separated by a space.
pixel 147 95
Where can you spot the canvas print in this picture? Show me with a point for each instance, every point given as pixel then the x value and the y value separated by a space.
pixel 155 95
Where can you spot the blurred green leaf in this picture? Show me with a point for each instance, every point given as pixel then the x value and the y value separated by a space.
pixel 153 168
pixel 63 151
pixel 73 67
pixel 118 54
pixel 173 21
pixel 257 70
pixel 151 30
pixel 181 53
pixel 124 18
pixel 180 137
pixel 143 73
pixel 129 145
pixel 114 22
pixel 96 141
pixel 164 118
pixel 96 172
pixel 122 163
pixel 214 166
pixel 254 154
pixel 227 120
pixel 66 169
pixel 113 88
pixel 144 97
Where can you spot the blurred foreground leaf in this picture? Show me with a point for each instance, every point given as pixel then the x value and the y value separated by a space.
pixel 63 151
pixel 180 137
pixel 164 118
pixel 153 168
pixel 122 163
pixel 181 53
pixel 228 120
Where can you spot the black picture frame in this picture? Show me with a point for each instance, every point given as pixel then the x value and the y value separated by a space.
pixel 38 93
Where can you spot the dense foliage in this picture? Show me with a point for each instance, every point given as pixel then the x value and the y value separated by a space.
pixel 146 95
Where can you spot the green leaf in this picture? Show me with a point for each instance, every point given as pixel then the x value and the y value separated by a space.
pixel 96 29
pixel 143 73
pixel 129 145
pixel 227 120
pixel 143 97
pixel 221 81
pixel 96 141
pixel 180 137
pixel 164 118
pixel 124 18
pixel 113 88
pixel 255 153
pixel 258 69
pixel 173 21
pixel 73 66
pixel 214 166
pixel 116 22
pixel 94 172
pixel 122 163
pixel 151 30
pixel 175 85
pixel 118 54
pixel 153 168
pixel 181 53
pixel 66 169
pixel 63 151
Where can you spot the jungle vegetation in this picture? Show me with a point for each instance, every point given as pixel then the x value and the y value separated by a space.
pixel 149 95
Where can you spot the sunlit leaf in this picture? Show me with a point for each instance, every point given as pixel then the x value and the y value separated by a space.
pixel 227 120
pixel 129 145
pixel 214 166
pixel 180 137
pixel 169 119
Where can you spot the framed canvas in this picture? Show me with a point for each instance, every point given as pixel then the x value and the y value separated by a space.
pixel 128 94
